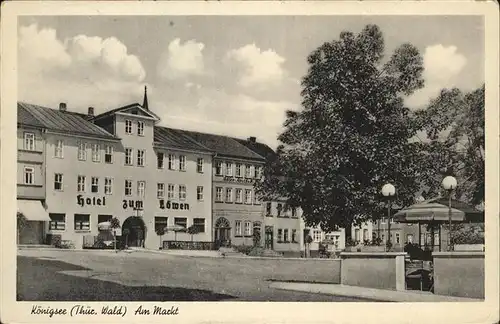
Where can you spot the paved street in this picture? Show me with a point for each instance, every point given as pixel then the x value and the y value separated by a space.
pixel 141 276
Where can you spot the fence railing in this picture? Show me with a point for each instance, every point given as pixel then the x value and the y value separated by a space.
pixel 187 245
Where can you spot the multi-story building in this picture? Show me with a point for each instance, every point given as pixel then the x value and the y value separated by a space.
pixel 31 177
pixel 237 211
pixel 335 240
pixel 282 230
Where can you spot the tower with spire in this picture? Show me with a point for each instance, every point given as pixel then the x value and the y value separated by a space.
pixel 145 102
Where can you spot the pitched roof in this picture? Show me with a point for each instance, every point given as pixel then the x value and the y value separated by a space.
pixel 113 111
pixel 223 145
pixel 177 139
pixel 61 121
pixel 259 148
pixel 25 118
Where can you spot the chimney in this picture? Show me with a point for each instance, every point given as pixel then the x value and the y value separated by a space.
pixel 252 139
pixel 62 106
pixel 90 113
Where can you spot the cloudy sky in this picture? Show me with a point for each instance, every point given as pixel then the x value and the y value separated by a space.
pixel 227 75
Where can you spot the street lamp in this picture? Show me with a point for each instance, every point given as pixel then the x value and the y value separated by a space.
pixel 449 184
pixel 388 190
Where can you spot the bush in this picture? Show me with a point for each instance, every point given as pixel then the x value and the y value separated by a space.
pixel 66 245
pixel 245 249
pixel 469 236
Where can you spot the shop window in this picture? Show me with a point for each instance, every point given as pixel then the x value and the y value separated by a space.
pixel 181 221
pixel 29 141
pixel 29 175
pixel 57 222
pixel 82 222
pixel 160 222
pixel 104 218
pixel 199 224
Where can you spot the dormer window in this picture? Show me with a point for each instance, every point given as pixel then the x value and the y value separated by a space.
pixel 128 126
pixel 140 128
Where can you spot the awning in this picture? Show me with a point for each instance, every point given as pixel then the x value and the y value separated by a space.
pixel 32 210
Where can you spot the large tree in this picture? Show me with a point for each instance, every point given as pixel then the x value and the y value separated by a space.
pixel 352 134
pixel 454 125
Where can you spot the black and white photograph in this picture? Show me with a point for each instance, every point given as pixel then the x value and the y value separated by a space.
pixel 174 157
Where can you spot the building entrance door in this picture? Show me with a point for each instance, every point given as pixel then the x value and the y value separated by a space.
pixel 222 233
pixel 134 231
pixel 269 240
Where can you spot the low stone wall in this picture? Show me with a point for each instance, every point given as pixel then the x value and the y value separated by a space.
pixel 383 270
pixel 459 274
pixel 300 269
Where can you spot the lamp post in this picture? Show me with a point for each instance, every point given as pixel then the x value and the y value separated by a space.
pixel 388 191
pixel 449 184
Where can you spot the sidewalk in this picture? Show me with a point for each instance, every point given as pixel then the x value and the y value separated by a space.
pixel 369 293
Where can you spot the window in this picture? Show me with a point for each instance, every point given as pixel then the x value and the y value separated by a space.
pixel 128 156
pixel 140 157
pixel 280 235
pixel 182 192
pixel 199 193
pixel 255 170
pixel 256 200
pixel 248 171
pixel 58 182
pixel 160 192
pixel 397 238
pixel 82 222
pixel 29 141
pixel 94 188
pixel 248 196
pixel 294 212
pixel 140 128
pixel 103 218
pixel 218 168
pixel 279 208
pixel 171 162
pixel 29 175
pixel 161 222
pixel 422 238
pixel 409 238
pixel 108 186
pixel 96 153
pixel 229 169
pixel 159 159
pixel 58 153
pixel 81 183
pixel 285 235
pixel 199 165
pixel 128 188
pixel 57 222
pixel 294 236
pixel 248 228
pixel 268 209
pixel 171 191
pixel 259 172
pixel 182 163
pixel 336 240
pixel 199 224
pixel 141 188
pixel 239 199
pixel 237 228
pixel 218 194
pixel 365 235
pixel 436 238
pixel 428 239
pixel 382 220
pixel 356 235
pixel 82 151
pixel 229 195
pixel 128 126
pixel 181 221
pixel 108 156
pixel 317 236
pixel 238 170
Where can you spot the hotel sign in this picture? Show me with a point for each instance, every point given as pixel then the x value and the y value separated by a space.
pixel 173 205
pixel 238 179
pixel 94 201
pixel 132 204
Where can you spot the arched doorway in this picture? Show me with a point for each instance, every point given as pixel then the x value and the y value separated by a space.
pixel 134 231
pixel 222 232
